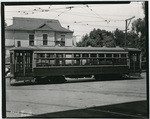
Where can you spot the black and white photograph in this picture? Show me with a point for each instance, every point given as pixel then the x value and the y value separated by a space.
pixel 71 59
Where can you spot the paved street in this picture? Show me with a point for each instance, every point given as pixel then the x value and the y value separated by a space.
pixel 35 99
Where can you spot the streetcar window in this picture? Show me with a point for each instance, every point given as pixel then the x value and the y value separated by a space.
pixel 93 55
pixel 59 62
pixel 101 55
pixel 134 57
pixel 68 61
pixel 108 55
pixel 77 62
pixel 116 55
pixel 85 55
pixel 17 54
pixel 109 61
pixel 123 55
pixel 84 61
pixel 50 55
pixel 35 55
pixel 47 55
pixel 93 61
pixel 76 55
pixel 40 55
pixel 102 61
pixel 51 62
pixel 59 55
pixel 68 55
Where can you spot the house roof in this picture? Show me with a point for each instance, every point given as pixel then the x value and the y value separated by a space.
pixel 20 23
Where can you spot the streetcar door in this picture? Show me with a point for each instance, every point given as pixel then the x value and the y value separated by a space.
pixel 28 63
pixel 134 62
pixel 23 63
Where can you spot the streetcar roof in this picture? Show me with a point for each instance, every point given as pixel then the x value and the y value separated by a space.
pixel 50 48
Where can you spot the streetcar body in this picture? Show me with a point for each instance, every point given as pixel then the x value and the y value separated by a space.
pixel 27 63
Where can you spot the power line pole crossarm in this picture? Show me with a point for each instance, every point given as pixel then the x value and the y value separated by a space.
pixel 126 28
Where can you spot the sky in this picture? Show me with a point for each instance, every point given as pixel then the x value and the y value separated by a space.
pixel 81 18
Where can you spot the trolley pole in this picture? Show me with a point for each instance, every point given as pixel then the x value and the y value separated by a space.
pixel 126 28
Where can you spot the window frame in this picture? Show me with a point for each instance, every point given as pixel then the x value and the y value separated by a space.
pixel 45 40
pixel 31 41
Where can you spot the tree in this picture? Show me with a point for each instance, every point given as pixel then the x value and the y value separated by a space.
pixel 132 40
pixel 97 38
pixel 119 37
pixel 138 26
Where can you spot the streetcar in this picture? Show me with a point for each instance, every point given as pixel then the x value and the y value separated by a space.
pixel 43 63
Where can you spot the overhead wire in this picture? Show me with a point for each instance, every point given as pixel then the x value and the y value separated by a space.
pixel 39 9
pixel 68 9
pixel 79 23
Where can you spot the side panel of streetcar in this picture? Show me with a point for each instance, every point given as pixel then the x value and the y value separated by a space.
pixel 80 70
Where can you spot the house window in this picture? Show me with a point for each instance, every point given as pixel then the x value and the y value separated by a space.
pixel 31 39
pixel 62 40
pixel 18 43
pixel 44 39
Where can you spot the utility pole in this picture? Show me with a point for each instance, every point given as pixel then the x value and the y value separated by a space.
pixel 126 27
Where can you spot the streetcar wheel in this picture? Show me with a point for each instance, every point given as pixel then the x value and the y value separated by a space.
pixel 57 79
pixel 38 80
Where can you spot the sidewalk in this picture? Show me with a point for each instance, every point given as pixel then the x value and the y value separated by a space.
pixel 136 109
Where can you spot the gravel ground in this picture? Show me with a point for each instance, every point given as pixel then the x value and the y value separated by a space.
pixel 35 99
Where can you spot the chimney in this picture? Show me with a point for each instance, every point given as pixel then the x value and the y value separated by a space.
pixel 68 27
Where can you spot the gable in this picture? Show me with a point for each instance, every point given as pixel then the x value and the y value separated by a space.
pixel 44 27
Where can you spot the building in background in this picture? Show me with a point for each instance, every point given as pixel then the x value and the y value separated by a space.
pixel 34 31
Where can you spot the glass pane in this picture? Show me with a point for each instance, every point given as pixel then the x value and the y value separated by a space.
pixel 52 62
pixel 116 55
pixel 59 55
pixel 85 55
pixel 93 55
pixel 68 55
pixel 31 37
pixel 31 43
pixel 39 55
pixel 101 55
pixel 77 62
pixel 84 61
pixel 42 55
pixel 76 55
pixel 45 42
pixel 108 55
pixel 94 61
pixel 68 62
pixel 49 55
pixel 59 62
pixel 123 55
pixel 62 37
pixel 44 36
